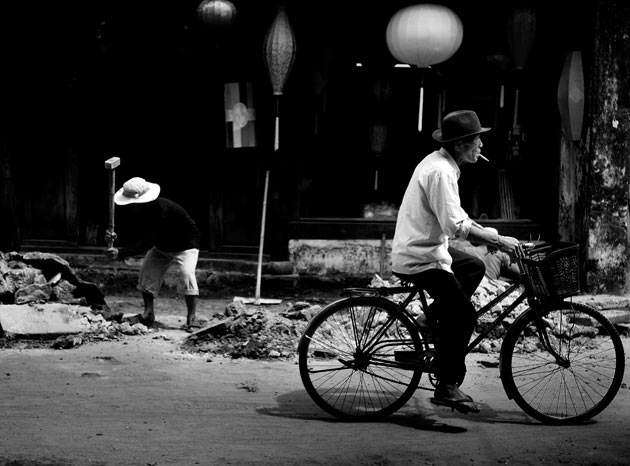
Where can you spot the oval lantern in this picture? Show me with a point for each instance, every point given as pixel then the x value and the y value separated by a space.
pixel 424 35
pixel 279 49
pixel 279 55
pixel 571 96
pixel 216 13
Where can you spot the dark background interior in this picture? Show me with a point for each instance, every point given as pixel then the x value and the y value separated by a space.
pixel 86 80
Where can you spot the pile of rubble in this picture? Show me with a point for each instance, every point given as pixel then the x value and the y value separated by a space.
pixel 39 292
pixel 253 332
pixel 258 333
pixel 42 298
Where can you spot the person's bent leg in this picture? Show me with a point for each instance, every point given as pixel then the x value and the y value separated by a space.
pixel 154 267
pixel 456 318
pixel 468 270
pixel 187 264
pixel 149 311
pixel 191 307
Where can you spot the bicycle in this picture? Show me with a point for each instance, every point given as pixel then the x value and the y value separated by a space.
pixel 362 357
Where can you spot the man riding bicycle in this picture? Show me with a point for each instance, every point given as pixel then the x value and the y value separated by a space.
pixel 429 214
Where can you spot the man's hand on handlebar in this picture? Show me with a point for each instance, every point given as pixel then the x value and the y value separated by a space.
pixel 509 245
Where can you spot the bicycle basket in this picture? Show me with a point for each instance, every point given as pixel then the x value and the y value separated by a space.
pixel 553 271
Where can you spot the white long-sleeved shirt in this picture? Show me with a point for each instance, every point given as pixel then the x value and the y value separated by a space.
pixel 429 214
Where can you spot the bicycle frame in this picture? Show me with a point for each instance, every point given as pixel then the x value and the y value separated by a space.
pixel 484 309
pixel 415 290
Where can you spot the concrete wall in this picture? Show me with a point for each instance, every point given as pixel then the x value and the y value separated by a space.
pixel 327 259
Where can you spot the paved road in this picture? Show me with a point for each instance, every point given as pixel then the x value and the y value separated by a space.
pixel 142 401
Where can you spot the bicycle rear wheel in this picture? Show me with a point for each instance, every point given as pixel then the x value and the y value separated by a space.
pixel 352 358
pixel 574 376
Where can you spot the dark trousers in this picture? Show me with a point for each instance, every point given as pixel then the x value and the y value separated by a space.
pixel 455 314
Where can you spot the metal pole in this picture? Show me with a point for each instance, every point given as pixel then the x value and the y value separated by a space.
pixel 111 164
pixel 262 240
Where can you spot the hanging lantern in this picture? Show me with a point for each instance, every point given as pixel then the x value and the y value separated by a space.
pixel 279 50
pixel 521 31
pixel 571 96
pixel 381 89
pixel 378 138
pixel 424 35
pixel 217 13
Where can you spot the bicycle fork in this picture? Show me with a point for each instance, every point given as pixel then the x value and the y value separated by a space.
pixel 543 336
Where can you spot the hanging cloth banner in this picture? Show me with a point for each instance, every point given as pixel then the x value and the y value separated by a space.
pixel 240 115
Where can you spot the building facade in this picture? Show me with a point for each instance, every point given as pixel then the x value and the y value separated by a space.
pixel 186 101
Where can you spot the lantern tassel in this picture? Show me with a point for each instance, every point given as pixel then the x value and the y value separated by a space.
pixel 420 109
pixel 421 102
pixel 276 143
pixel 515 121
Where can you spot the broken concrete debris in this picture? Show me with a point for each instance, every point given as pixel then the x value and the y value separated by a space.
pixel 41 296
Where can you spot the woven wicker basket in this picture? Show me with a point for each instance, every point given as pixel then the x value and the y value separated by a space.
pixel 553 271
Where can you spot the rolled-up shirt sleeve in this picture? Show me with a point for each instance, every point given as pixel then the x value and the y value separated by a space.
pixel 445 203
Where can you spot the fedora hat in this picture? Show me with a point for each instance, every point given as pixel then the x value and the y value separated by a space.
pixel 458 125
pixel 137 191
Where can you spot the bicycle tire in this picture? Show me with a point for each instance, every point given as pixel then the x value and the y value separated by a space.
pixel 340 372
pixel 575 388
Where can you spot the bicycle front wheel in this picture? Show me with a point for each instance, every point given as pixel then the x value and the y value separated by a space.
pixel 562 363
pixel 352 358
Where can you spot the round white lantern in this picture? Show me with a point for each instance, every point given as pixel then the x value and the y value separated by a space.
pixel 424 35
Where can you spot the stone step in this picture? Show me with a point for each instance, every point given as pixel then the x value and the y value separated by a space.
pixel 215 275
pixel 239 263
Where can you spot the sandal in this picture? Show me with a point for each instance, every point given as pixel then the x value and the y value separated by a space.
pixel 196 325
pixel 451 396
pixel 139 319
pixel 463 406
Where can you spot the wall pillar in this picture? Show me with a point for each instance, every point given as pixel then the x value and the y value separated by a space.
pixel 608 246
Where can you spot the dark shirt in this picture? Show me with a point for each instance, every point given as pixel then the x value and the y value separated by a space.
pixel 165 225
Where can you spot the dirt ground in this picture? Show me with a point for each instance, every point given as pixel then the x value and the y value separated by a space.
pixel 142 400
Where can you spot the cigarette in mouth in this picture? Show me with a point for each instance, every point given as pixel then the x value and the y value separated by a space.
pixel 483 158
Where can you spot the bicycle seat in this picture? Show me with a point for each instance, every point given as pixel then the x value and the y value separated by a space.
pixel 405 282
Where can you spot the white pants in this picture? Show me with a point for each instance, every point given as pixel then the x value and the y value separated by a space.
pixel 155 264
